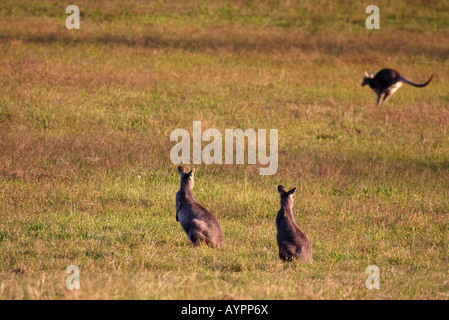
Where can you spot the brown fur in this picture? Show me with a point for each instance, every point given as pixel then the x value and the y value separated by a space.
pixel 292 242
pixel 386 82
pixel 200 225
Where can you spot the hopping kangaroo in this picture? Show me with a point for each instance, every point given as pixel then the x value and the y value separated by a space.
pixel 291 240
pixel 200 225
pixel 386 82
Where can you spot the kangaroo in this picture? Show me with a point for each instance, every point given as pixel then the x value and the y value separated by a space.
pixel 291 240
pixel 386 82
pixel 200 225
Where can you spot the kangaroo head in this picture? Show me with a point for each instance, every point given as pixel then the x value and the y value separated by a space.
pixel 286 196
pixel 367 79
pixel 186 178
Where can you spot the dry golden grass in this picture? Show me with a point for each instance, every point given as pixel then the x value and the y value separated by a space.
pixel 86 178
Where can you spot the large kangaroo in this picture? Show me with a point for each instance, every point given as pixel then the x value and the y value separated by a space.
pixel 291 240
pixel 387 81
pixel 200 225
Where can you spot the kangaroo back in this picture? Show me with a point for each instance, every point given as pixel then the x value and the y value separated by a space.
pixel 292 242
pixel 200 225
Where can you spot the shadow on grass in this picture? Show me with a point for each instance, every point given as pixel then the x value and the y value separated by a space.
pixel 259 42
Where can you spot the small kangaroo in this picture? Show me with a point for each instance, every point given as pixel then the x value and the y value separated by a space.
pixel 386 82
pixel 291 240
pixel 200 225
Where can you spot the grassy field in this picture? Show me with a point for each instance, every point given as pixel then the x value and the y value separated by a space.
pixel 85 171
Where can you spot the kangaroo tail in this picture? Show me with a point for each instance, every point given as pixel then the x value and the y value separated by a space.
pixel 419 85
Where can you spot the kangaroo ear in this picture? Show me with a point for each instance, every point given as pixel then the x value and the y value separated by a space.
pixel 191 174
pixel 292 191
pixel 371 74
pixel 366 74
pixel 281 189
pixel 181 170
